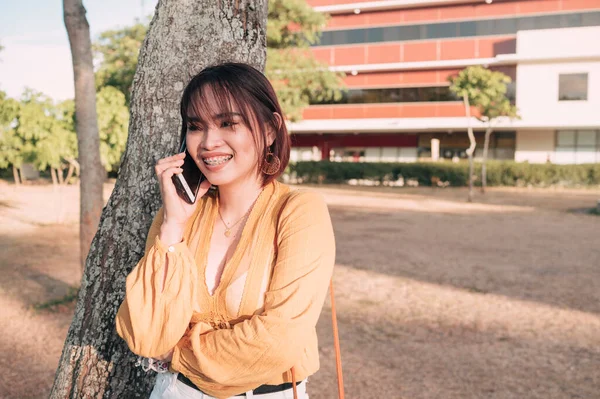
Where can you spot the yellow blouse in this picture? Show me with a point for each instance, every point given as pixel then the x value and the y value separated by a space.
pixel 261 319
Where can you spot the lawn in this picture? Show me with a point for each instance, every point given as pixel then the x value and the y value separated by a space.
pixel 436 298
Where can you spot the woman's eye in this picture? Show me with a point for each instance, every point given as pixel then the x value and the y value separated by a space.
pixel 194 128
pixel 228 124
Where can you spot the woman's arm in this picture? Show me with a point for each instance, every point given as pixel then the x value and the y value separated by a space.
pixel 159 295
pixel 271 343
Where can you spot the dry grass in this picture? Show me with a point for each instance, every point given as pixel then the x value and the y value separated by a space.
pixel 436 298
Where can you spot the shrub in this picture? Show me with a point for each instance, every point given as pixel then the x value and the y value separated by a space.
pixel 499 173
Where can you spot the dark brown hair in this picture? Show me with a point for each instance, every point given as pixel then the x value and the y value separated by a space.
pixel 254 97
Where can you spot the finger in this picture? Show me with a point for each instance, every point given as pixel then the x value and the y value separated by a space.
pixel 159 169
pixel 166 181
pixel 169 172
pixel 180 155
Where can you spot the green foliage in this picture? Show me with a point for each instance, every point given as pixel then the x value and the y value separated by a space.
pixel 293 23
pixel 500 173
pixel 486 90
pixel 55 304
pixel 296 75
pixel 292 26
pixel 296 86
pixel 113 122
pixel 10 145
pixel 117 52
pixel 36 130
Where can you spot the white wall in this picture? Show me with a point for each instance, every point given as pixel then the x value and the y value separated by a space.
pixel 391 154
pixel 559 42
pixel 537 81
pixel 535 146
pixel 305 154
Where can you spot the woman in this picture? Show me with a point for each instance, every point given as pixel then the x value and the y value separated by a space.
pixel 230 288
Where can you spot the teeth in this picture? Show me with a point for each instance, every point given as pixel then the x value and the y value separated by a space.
pixel 217 160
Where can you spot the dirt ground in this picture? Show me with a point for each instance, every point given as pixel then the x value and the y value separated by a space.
pixel 436 298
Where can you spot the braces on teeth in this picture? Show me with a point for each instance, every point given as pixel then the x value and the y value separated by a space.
pixel 216 161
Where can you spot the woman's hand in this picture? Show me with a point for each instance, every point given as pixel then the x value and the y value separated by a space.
pixel 176 210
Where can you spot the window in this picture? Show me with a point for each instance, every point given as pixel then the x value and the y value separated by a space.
pixel 577 146
pixel 468 28
pixel 570 21
pixel 443 30
pixel 375 35
pixel 393 95
pixel 572 86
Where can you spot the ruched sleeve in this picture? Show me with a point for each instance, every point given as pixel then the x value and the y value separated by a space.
pixel 152 321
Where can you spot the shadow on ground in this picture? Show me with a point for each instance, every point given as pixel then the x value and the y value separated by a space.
pixel 547 257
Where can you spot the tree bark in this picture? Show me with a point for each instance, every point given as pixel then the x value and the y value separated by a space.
pixel 471 149
pixel 16 175
pixel 54 178
pixel 61 174
pixel 486 145
pixel 69 173
pixel 183 38
pixel 86 125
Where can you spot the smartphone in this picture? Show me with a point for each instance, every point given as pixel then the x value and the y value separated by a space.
pixel 188 182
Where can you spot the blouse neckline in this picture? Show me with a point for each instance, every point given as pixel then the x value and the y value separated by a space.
pixel 208 218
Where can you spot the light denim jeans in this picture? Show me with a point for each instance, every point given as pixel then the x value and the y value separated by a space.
pixel 167 386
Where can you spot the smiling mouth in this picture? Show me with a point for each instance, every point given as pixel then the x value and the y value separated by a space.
pixel 214 161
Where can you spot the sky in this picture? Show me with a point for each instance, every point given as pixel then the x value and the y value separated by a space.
pixel 36 50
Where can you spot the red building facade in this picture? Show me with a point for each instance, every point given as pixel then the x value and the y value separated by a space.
pixel 398 56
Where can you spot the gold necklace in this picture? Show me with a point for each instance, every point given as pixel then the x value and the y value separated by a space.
pixel 228 228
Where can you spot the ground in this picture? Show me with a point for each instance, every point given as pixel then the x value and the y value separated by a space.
pixel 436 298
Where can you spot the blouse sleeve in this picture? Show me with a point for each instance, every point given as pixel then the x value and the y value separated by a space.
pixel 269 344
pixel 151 321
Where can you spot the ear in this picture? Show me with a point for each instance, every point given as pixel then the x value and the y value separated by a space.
pixel 271 134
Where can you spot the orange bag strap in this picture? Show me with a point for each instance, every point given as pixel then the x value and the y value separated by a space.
pixel 336 343
pixel 338 353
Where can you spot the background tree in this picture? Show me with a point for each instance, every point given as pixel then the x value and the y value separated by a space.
pixel 92 172
pixel 10 145
pixel 296 75
pixel 117 53
pixel 292 26
pixel 478 86
pixel 45 133
pixel 36 131
pixel 95 362
pixel 490 109
pixel 113 120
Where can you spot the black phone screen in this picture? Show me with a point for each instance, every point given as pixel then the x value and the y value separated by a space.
pixel 188 182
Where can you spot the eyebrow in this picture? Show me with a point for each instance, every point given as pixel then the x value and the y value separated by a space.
pixel 218 116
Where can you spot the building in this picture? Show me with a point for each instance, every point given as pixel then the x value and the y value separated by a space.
pixel 398 55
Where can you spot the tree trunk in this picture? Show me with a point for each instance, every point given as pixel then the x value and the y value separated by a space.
pixel 471 149
pixel 69 173
pixel 54 178
pixel 23 177
pixel 88 141
pixel 60 173
pixel 183 38
pixel 16 175
pixel 486 145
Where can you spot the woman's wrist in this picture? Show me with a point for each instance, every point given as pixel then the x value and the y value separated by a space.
pixel 171 233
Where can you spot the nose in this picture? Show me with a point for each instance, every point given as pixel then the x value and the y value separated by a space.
pixel 212 139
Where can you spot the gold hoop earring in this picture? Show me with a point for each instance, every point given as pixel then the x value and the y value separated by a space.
pixel 270 167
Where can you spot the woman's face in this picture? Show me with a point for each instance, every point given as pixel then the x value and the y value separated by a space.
pixel 221 144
